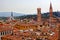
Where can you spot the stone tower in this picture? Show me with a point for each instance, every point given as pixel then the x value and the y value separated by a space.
pixel 39 18
pixel 39 15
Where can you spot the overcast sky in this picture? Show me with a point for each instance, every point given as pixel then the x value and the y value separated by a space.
pixel 28 6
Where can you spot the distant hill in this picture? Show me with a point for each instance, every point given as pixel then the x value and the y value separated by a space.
pixel 22 16
pixel 55 14
pixel 44 15
pixel 5 14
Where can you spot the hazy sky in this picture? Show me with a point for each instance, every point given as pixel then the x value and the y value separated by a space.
pixel 28 6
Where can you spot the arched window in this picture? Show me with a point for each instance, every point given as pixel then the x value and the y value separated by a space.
pixel 5 32
pixel 1 33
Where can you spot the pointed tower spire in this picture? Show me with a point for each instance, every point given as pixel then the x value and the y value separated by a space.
pixel 12 18
pixel 50 5
pixel 51 10
pixel 51 14
pixel 12 14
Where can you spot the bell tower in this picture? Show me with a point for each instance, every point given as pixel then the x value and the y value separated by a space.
pixel 39 18
pixel 51 11
pixel 50 15
pixel 39 15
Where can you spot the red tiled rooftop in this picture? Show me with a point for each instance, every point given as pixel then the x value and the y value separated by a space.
pixel 5 28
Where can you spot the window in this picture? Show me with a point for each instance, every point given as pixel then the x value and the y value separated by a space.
pixel 40 25
pixel 5 32
pixel 1 33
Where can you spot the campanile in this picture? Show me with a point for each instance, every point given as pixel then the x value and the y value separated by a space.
pixel 39 15
pixel 51 12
